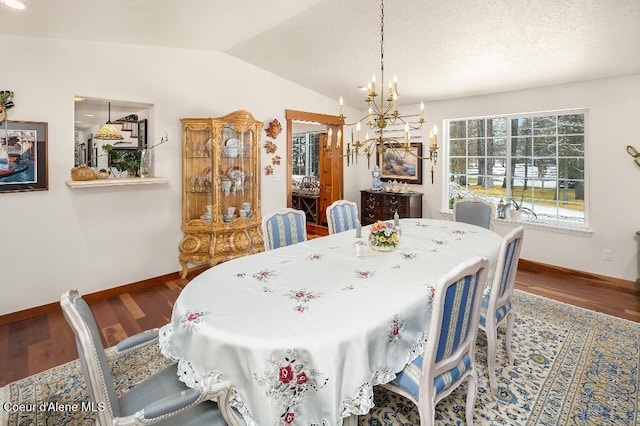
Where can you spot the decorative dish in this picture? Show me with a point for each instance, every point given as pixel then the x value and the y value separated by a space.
pixel 232 147
pixel 236 174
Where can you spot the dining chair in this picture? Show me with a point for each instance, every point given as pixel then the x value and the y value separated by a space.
pixel 342 215
pixel 497 304
pixel 160 399
pixel 475 210
pixel 284 227
pixel 449 354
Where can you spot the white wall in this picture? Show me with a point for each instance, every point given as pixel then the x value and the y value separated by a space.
pixel 612 177
pixel 93 239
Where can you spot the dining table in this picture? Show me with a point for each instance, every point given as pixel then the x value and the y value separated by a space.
pixel 304 332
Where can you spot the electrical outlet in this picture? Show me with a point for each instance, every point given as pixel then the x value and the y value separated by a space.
pixel 607 255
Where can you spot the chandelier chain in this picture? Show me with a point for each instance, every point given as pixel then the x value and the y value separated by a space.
pixel 382 37
pixel 379 117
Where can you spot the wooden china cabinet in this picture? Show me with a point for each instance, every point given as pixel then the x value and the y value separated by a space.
pixel 221 216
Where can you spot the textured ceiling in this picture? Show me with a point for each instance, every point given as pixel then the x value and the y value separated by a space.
pixel 438 49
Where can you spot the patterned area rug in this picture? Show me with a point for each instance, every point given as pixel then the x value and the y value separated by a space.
pixel 572 367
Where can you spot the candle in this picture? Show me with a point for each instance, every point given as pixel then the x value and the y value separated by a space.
pixel 358 229
pixel 358 128
pixel 406 134
pixel 390 90
pixel 421 111
pixel 329 137
pixel 395 83
pixel 338 139
pixel 434 138
pixel 396 218
pixel 373 85
pixel 340 104
pixel 395 103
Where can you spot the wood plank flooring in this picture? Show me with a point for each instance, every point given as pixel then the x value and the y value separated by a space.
pixel 34 345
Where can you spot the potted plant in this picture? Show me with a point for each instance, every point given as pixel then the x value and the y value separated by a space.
pixel 130 160
pixel 125 161
pixel 518 209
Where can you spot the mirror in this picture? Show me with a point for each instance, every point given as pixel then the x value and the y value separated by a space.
pixel 131 118
pixel 315 180
pixel 305 146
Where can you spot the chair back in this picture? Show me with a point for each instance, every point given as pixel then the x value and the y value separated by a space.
pixel 93 360
pixel 476 211
pixel 451 344
pixel 342 215
pixel 505 275
pixel 284 227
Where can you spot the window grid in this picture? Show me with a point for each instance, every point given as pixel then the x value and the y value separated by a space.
pixel 540 155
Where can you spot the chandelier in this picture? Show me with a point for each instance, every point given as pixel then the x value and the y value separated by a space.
pixel 382 112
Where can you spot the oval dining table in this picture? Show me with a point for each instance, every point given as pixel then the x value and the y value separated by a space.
pixel 305 332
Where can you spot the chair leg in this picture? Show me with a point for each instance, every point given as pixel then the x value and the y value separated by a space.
pixel 509 334
pixel 492 337
pixel 471 397
pixel 427 411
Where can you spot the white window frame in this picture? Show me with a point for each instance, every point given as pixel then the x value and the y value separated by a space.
pixel 531 222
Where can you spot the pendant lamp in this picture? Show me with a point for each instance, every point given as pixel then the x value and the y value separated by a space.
pixel 108 132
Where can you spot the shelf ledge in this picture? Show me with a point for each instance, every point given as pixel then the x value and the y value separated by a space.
pixel 96 183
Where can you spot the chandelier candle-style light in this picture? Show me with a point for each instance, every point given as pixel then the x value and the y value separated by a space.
pixel 382 111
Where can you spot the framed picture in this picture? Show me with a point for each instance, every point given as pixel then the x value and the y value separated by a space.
pixel 398 164
pixel 142 133
pixel 23 156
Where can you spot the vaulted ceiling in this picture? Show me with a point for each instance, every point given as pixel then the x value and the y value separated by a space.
pixel 438 49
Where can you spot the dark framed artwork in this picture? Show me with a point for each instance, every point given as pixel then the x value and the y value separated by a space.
pixel 402 163
pixel 23 156
pixel 142 133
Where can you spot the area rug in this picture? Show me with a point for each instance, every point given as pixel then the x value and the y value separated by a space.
pixel 572 367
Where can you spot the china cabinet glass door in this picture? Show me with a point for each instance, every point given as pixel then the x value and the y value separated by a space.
pixel 199 193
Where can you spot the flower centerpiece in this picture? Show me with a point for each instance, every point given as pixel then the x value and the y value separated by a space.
pixel 384 236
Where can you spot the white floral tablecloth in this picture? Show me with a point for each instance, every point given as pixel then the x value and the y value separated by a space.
pixel 304 332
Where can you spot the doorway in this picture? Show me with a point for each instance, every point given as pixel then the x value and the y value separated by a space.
pixel 316 170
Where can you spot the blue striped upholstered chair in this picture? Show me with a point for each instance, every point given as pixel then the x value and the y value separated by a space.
pixel 283 228
pixel 497 304
pixel 475 210
pixel 160 399
pixel 342 215
pixel 449 354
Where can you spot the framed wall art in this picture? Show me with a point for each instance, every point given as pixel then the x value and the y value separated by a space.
pixel 398 164
pixel 23 156
pixel 142 133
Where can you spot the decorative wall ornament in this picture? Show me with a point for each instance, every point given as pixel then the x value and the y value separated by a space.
pixel 270 147
pixel 634 153
pixel 268 170
pixel 276 159
pixel 274 129
pixel 6 102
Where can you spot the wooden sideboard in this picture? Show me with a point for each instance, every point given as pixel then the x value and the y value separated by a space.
pixel 381 205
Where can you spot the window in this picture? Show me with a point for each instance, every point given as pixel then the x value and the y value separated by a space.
pixel 305 154
pixel 534 160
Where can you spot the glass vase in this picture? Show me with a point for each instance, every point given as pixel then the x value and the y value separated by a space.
pixel 146 169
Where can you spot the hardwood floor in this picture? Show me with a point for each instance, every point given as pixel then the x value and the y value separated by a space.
pixel 34 345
